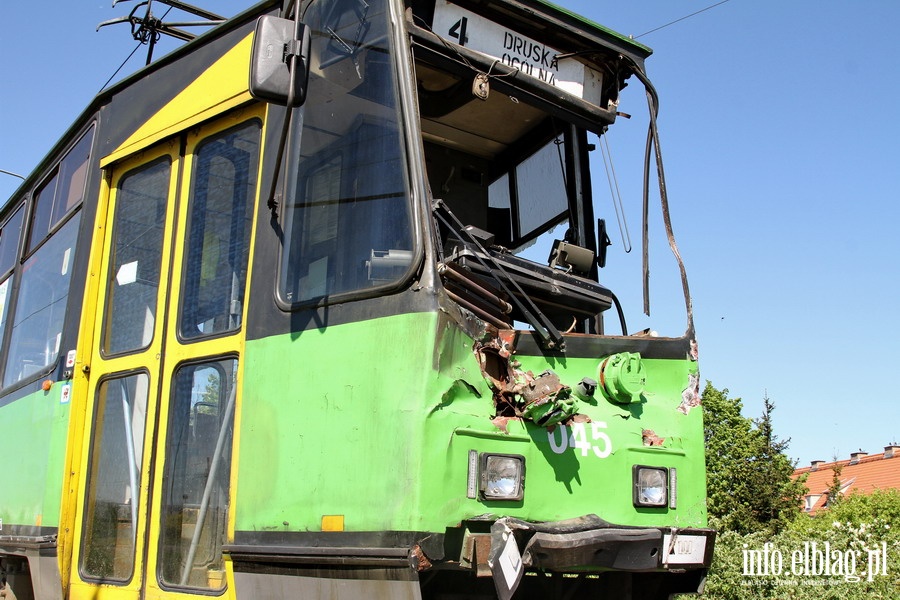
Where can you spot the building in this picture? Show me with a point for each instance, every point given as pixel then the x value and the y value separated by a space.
pixel 862 473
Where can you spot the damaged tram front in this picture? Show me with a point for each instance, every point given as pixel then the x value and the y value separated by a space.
pixel 472 417
pixel 354 348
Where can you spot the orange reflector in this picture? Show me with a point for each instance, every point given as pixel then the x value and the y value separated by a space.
pixel 332 522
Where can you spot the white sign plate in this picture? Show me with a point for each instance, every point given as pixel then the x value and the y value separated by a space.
pixel 687 549
pixel 513 49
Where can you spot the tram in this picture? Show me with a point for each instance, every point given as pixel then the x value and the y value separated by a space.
pixel 273 325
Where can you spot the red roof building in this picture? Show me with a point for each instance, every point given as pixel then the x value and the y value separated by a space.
pixel 862 474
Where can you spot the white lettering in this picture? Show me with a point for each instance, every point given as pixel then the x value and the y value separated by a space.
pixel 575 436
pixel 579 439
pixel 597 433
pixel 563 444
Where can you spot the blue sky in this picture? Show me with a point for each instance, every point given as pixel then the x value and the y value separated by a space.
pixel 779 135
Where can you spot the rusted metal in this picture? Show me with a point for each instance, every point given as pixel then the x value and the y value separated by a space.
pixel 418 560
pixel 502 423
pixel 475 553
pixel 543 399
pixel 455 272
pixel 649 437
pixel 481 313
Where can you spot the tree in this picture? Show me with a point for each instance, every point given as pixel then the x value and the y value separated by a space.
pixel 834 489
pixel 862 525
pixel 749 484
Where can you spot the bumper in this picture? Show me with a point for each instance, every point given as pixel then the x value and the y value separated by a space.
pixel 590 543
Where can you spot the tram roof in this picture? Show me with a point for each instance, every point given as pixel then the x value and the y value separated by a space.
pixel 540 18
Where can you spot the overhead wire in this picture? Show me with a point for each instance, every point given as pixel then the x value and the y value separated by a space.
pixel 681 19
pixel 125 62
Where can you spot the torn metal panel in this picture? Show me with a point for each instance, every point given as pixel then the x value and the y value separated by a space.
pixel 458 389
pixel 418 560
pixel 543 398
pixel 476 553
pixel 690 397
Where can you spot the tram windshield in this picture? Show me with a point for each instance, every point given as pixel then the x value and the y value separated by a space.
pixel 348 212
pixel 504 122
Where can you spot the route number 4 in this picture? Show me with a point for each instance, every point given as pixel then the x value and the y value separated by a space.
pixel 458 31
pixel 576 436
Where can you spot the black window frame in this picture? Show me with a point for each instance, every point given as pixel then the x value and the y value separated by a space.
pixel 251 208
pixel 25 250
pixel 395 46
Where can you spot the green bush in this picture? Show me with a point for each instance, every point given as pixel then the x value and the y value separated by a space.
pixel 854 526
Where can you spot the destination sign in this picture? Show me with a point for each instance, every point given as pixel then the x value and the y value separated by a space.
pixel 513 49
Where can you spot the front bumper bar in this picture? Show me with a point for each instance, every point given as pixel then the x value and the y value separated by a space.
pixel 589 542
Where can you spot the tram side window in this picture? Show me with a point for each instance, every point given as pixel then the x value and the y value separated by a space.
pixel 62 192
pixel 540 185
pixel 348 213
pixel 136 248
pixel 197 475
pixel 9 248
pixel 41 305
pixel 114 479
pixel 221 214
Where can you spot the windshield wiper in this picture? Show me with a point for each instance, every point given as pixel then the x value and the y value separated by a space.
pixel 550 336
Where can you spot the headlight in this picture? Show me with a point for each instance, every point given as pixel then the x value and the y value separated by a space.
pixel 650 486
pixel 502 476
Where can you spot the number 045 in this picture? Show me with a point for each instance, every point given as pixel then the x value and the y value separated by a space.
pixel 576 436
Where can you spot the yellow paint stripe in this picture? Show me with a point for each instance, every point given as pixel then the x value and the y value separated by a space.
pixel 221 87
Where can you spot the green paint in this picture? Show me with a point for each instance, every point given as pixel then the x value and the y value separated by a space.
pixel 375 421
pixel 34 433
pixel 623 377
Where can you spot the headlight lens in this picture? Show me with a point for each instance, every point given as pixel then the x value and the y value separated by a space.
pixel 650 486
pixel 502 476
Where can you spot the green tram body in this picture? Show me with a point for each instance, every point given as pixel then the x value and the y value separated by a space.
pixel 313 405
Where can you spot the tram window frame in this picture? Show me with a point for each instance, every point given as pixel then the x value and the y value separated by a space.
pixel 17 368
pixel 46 218
pixel 100 463
pixel 193 297
pixel 9 253
pixel 119 328
pixel 68 178
pixel 10 248
pixel 183 443
pixel 354 109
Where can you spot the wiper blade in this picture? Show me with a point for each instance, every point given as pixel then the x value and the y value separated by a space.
pixel 550 336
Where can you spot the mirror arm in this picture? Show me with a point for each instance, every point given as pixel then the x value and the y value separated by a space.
pixel 293 54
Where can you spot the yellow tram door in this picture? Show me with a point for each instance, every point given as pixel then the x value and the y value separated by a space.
pixel 171 281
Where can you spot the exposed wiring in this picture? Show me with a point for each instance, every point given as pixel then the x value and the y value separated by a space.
pixel 653 146
pixel 679 20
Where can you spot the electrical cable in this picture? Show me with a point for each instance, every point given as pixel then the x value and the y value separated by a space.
pixel 654 145
pixel 679 20
pixel 125 62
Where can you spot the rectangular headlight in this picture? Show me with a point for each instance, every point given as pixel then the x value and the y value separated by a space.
pixel 651 485
pixel 502 476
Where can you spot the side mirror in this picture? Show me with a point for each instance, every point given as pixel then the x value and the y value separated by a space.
pixel 279 61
